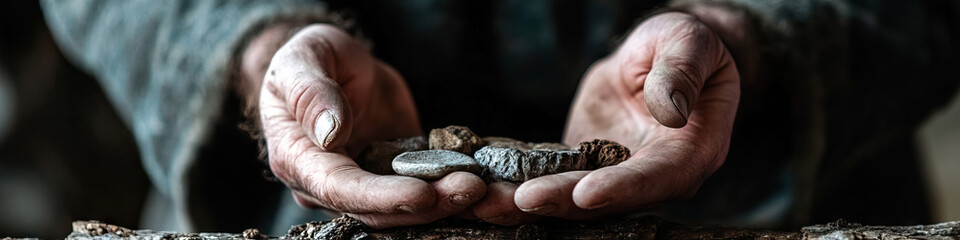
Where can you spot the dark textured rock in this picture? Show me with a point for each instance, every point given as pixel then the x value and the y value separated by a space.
pixel 455 138
pixel 601 153
pixel 517 165
pixel 433 164
pixel 501 164
pixel 378 156
pixel 545 162
pixel 506 142
pixel 549 146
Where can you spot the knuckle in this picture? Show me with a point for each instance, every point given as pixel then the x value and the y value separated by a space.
pixel 326 189
pixel 687 73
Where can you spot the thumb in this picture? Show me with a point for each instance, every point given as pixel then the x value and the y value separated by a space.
pixel 317 103
pixel 685 55
pixel 312 72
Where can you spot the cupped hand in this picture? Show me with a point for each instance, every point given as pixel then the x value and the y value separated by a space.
pixel 322 98
pixel 670 94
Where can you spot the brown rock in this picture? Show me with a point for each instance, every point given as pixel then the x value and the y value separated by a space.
pixel 601 153
pixel 378 156
pixel 455 138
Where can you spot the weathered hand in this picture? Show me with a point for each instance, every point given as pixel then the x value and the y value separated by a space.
pixel 669 93
pixel 322 99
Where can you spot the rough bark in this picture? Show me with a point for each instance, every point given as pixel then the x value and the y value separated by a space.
pixel 620 228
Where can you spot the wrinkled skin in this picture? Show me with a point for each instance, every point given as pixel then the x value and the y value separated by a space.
pixel 322 98
pixel 670 94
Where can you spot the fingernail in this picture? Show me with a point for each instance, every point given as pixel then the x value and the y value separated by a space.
pixel 542 209
pixel 326 127
pixel 681 103
pixel 595 206
pixel 405 208
pixel 459 199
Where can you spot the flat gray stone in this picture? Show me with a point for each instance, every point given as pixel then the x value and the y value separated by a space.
pixel 378 156
pixel 519 165
pixel 434 164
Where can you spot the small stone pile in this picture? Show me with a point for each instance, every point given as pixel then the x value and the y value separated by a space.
pixel 456 148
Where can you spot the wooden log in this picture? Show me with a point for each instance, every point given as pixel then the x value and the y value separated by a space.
pixel 849 230
pixel 618 228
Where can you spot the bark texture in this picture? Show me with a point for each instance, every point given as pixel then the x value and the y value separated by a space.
pixel 619 228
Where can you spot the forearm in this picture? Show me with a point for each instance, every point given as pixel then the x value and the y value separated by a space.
pixel 165 64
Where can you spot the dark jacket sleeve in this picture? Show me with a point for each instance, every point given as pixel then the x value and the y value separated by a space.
pixel 843 87
pixel 164 65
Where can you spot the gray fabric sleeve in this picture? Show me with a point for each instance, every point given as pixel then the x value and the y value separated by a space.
pixel 164 64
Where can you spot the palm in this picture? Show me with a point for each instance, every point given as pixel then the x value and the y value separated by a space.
pixel 382 109
pixel 669 94
pixel 324 98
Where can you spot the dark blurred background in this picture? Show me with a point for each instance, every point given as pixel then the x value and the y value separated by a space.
pixel 60 137
pixel 64 153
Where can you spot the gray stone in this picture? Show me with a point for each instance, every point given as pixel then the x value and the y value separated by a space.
pixel 500 164
pixel 549 146
pixel 455 138
pixel 518 165
pixel 433 164
pixel 506 142
pixel 545 162
pixel 378 156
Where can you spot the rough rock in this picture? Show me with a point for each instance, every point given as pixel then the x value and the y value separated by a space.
pixel 434 164
pixel 506 142
pixel 549 146
pixel 601 153
pixel 501 164
pixel 455 138
pixel 378 156
pixel 518 165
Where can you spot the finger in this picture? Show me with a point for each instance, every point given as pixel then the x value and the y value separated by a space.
pixel 552 195
pixel 337 183
pixel 455 193
pixel 682 54
pixel 311 72
pixel 660 172
pixel 332 179
pixel 498 206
